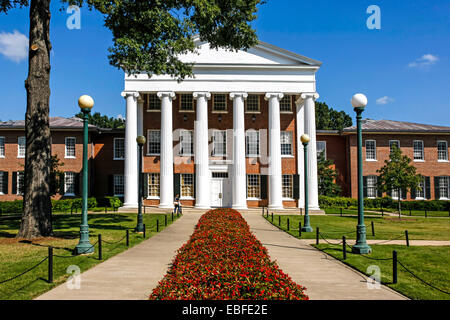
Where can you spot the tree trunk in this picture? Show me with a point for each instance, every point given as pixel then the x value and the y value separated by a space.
pixel 37 207
pixel 399 204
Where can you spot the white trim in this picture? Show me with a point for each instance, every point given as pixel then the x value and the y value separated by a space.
pixel 66 194
pixel 114 185
pixel 114 149
pixel 148 142
pixel 375 146
pixel 65 148
pixel 214 154
pixel 180 154
pixel 423 151
pixel 437 146
pixel 325 151
pixel 18 147
pixel 4 147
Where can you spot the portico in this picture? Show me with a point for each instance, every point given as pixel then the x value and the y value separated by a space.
pixel 242 115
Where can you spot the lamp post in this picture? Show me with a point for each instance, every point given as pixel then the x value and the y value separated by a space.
pixel 85 103
pixel 306 225
pixel 140 222
pixel 359 102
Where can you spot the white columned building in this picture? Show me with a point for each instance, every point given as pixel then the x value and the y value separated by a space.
pixel 265 96
pixel 239 186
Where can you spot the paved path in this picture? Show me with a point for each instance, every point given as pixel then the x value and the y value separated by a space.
pixel 324 277
pixel 401 242
pixel 131 275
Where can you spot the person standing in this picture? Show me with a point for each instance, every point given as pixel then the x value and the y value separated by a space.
pixel 177 204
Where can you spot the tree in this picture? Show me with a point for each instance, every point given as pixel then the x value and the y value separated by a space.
pixel 327 177
pixel 100 121
pixel 148 36
pixel 329 119
pixel 398 174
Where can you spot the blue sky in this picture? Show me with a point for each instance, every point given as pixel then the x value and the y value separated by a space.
pixel 403 68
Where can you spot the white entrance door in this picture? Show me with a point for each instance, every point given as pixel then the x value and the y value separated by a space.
pixel 220 190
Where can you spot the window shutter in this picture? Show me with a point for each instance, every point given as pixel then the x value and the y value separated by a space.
pixel 436 188
pixel 427 188
pixel 296 186
pixel 111 185
pixel 77 184
pixel 61 181
pixel 14 183
pixel 145 185
pixel 5 182
pixel 176 184
pixel 379 192
pixel 195 184
pixel 365 187
pixel 263 186
pixel 404 194
pixel 413 193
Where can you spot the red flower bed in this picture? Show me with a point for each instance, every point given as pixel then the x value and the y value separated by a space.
pixel 223 260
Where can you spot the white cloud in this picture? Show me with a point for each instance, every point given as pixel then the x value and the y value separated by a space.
pixel 384 100
pixel 425 60
pixel 120 117
pixel 14 46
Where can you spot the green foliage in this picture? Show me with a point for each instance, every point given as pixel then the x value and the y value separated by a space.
pixel 56 176
pixel 327 177
pixel 329 119
pixel 112 202
pixel 100 121
pixel 15 206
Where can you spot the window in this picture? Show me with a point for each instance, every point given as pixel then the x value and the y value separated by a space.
pixel 372 186
pixel 69 183
pixel 186 102
pixel 252 143
pixel 153 185
pixel 442 150
pixel 252 103
pixel 186 143
pixel 444 188
pixel 371 150
pixel 287 186
pixel 220 143
pixel 153 102
pixel 219 102
pixel 220 175
pixel 119 148
pixel 154 142
pixel 286 143
pixel 21 147
pixel 119 185
pixel 321 149
pixel 418 150
pixel 2 147
pixel 70 147
pixel 394 194
pixel 253 186
pixel 187 185
pixel 393 143
pixel 20 182
pixel 286 104
pixel 2 182
pixel 420 192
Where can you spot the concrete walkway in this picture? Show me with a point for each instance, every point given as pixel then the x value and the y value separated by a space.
pixel 131 275
pixel 381 242
pixel 324 277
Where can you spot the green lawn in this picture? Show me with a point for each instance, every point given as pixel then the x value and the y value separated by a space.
pixel 386 228
pixel 18 256
pixel 428 263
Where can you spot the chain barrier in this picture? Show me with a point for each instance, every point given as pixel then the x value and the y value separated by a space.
pixel 25 272
pixel 115 242
pixel 321 235
pixel 428 284
pixel 66 257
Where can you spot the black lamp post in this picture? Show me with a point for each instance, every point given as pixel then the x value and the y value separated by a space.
pixel 140 221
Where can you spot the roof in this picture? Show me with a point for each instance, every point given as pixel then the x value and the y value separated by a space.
pixel 55 123
pixel 397 126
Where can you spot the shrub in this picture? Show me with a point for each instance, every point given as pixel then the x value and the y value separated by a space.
pixel 223 260
pixel 112 202
pixel 11 206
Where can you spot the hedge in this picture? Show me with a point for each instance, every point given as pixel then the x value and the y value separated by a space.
pixel 385 202
pixel 63 205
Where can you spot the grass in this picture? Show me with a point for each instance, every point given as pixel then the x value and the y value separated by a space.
pixel 17 256
pixel 428 263
pixel 386 228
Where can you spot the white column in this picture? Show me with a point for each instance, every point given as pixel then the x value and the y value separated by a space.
pixel 310 129
pixel 140 116
pixel 201 153
pixel 166 164
pixel 239 184
pixel 131 150
pixel 300 154
pixel 275 179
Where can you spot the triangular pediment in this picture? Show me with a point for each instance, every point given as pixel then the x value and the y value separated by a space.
pixel 261 54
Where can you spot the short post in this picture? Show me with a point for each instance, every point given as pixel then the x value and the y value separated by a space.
pixel 287 224
pixel 128 237
pixel 299 229
pixel 100 247
pixel 382 212
pixel 407 238
pixel 317 235
pixel 262 213
pixel 165 220
pixel 373 229
pixel 272 216
pixel 279 221
pixel 344 248
pixel 172 215
pixel 50 264
pixel 394 266
pixel 143 233
pixel 426 213
pixel 341 212
pixel 410 212
pixel 301 211
pixel 106 210
pixel 144 209
pixel 157 225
